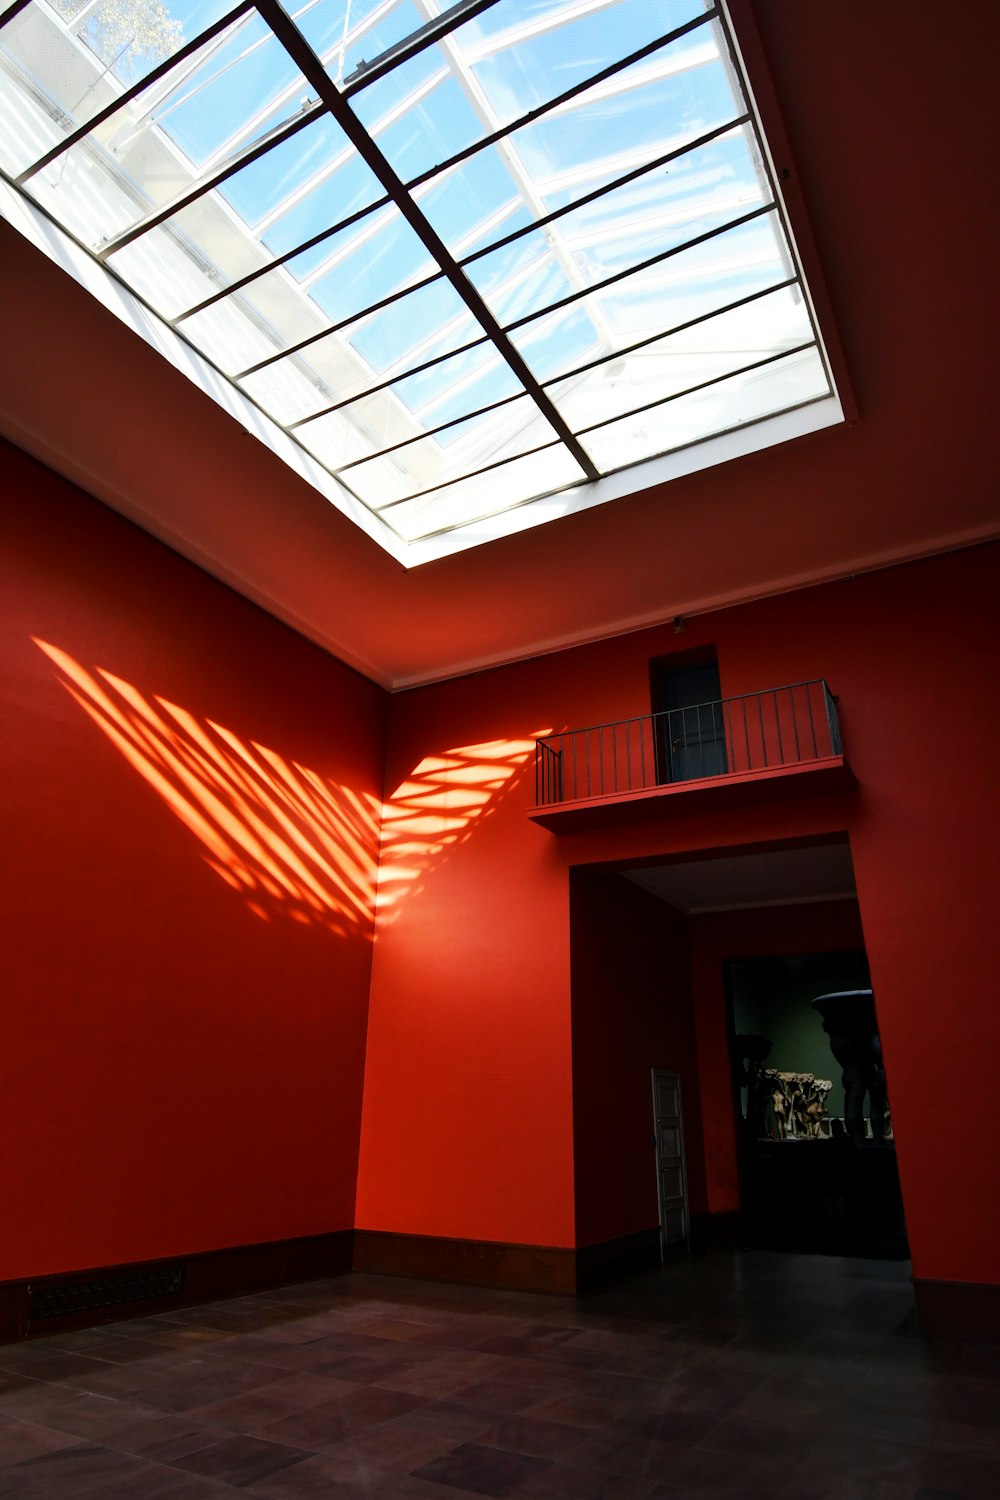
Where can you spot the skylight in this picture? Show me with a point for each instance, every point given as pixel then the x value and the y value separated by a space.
pixel 466 268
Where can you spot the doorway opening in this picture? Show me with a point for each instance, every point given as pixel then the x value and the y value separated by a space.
pixel 818 1165
pixel 666 954
pixel 689 736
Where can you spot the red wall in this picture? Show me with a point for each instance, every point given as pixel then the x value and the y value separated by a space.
pixel 469 1047
pixel 632 1011
pixel 187 946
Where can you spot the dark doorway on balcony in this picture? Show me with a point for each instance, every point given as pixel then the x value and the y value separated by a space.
pixel 689 735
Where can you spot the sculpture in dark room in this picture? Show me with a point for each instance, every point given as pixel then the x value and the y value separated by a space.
pixel 849 1021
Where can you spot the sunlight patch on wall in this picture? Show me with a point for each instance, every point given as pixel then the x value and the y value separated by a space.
pixel 292 843
pixel 444 800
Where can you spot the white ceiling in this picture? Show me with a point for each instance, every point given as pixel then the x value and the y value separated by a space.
pixel 786 877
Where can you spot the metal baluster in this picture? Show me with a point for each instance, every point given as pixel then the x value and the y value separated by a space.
pixel 812 721
pixel 795 724
pixel 777 723
pixel 833 722
pixel 763 735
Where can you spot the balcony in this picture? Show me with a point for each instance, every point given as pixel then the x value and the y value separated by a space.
pixel 731 750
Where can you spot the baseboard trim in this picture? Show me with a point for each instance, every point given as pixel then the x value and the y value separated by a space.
pixel 967 1310
pixel 211 1275
pixel 205 1276
pixel 610 1261
pixel 507 1267
pixel 487 1263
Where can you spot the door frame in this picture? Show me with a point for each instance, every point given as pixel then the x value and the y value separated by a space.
pixel 656 1074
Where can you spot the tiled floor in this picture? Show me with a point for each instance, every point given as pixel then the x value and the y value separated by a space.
pixel 735 1375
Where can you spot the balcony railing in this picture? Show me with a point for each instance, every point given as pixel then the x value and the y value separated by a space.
pixel 786 726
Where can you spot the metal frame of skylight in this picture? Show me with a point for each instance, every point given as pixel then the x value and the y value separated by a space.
pixel 330 101
pixel 434 175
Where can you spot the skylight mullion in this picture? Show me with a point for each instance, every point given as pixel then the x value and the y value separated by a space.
pixel 756 152
pixel 531 115
pixel 652 260
pixel 330 168
pixel 311 69
pixel 355 317
pixel 701 385
pixel 436 27
pixel 459 478
pixel 549 20
pixel 666 333
pixel 467 416
pixel 12 11
pixel 807 368
pixel 280 260
pixel 127 95
pixel 387 381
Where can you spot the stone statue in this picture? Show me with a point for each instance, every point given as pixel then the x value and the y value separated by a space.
pixel 849 1021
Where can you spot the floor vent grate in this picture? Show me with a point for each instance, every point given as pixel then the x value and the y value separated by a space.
pixel 104 1291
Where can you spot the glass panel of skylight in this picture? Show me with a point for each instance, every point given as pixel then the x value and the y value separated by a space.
pixel 79 58
pixel 477 80
pixel 452 388
pixel 663 367
pixel 456 386
pixel 687 285
pixel 789 382
pixel 485 495
pixel 206 112
pixel 364 264
pixel 341 366
pixel 315 178
pixel 457 451
pixel 234 338
pixel 661 104
pixel 302 186
pixel 356 431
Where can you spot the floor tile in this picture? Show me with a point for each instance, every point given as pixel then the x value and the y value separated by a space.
pixel 240 1460
pixel 484 1471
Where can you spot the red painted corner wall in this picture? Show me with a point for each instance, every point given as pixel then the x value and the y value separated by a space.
pixel 189 832
pixel 632 1012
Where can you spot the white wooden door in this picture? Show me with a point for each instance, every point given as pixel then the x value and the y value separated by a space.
pixel 668 1129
